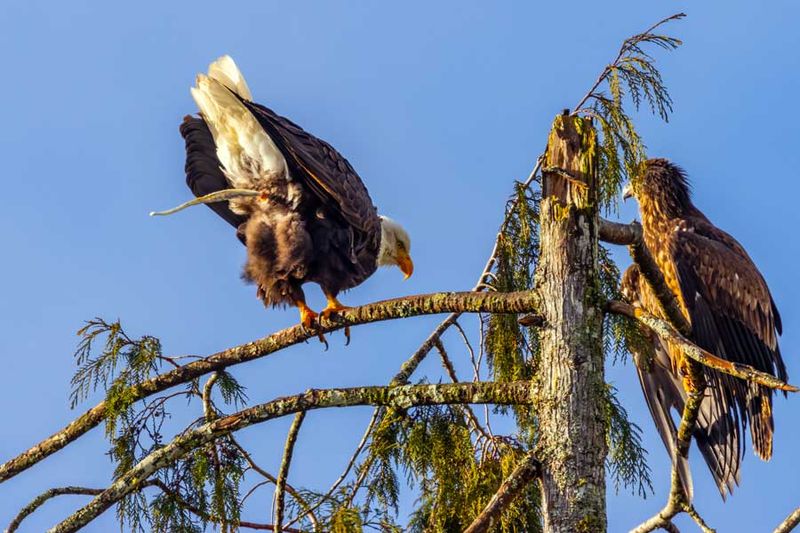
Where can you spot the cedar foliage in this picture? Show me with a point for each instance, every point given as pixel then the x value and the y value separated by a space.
pixel 453 466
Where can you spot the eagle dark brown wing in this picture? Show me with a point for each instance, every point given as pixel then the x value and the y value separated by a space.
pixel 203 168
pixel 716 430
pixel 325 172
pixel 732 315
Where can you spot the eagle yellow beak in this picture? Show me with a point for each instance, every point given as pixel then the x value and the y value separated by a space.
pixel 405 263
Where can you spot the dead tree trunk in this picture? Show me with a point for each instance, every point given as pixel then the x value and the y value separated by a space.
pixel 572 446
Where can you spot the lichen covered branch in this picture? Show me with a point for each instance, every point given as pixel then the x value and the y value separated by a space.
pixel 789 523
pixel 427 304
pixel 402 397
pixel 667 332
pixel 283 473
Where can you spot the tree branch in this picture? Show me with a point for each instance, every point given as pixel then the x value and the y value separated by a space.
pixel 402 397
pixel 283 472
pixel 427 304
pixel 631 234
pixel 667 332
pixel 676 502
pixel 790 523
pixel 526 471
pixel 42 498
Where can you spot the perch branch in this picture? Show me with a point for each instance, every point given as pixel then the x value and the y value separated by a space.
pixel 631 235
pixel 790 523
pixel 428 304
pixel 399 397
pixel 525 472
pixel 283 473
pixel 667 332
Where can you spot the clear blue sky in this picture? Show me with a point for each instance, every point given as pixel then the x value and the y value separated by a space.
pixel 439 106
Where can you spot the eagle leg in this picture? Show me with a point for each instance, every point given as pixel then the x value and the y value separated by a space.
pixel 335 306
pixel 308 318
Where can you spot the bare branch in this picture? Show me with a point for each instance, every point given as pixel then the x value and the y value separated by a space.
pixel 283 473
pixel 398 397
pixel 790 523
pixel 42 498
pixel 618 233
pixel 676 502
pixel 525 472
pixel 372 422
pixel 667 332
pixel 309 511
pixel 428 304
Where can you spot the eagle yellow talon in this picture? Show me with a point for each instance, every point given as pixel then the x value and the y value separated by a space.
pixel 334 307
pixel 309 320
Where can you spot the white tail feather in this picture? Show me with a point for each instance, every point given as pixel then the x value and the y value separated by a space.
pixel 249 158
pixel 225 71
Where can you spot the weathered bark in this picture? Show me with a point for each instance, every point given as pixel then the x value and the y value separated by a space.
pixel 572 445
pixel 425 304
pixel 401 396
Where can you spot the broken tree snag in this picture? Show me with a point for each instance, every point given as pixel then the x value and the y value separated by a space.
pixel 572 444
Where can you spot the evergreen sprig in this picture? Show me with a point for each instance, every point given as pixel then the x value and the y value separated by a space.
pixel 627 458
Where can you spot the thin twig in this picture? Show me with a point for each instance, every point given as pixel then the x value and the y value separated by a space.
pixel 42 498
pixel 468 412
pixel 272 479
pixel 375 415
pixel 283 472
pixel 624 48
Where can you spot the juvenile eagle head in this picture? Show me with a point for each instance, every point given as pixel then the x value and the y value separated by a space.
pixel 661 185
pixel 395 247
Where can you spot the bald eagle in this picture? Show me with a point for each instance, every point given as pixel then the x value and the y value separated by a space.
pixel 732 314
pixel 309 217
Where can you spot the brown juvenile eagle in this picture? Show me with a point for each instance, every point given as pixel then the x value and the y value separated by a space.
pixel 665 395
pixel 732 315
pixel 308 216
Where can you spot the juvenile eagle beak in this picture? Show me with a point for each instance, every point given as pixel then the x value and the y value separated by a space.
pixel 627 192
pixel 405 263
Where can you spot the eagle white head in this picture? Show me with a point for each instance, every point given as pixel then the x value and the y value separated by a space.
pixel 395 247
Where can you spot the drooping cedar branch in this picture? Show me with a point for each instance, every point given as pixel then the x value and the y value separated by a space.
pixel 283 473
pixel 403 397
pixel 667 332
pixel 427 304
pixel 526 471
pixel 789 523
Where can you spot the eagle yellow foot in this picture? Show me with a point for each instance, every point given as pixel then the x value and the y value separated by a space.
pixel 334 307
pixel 308 318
